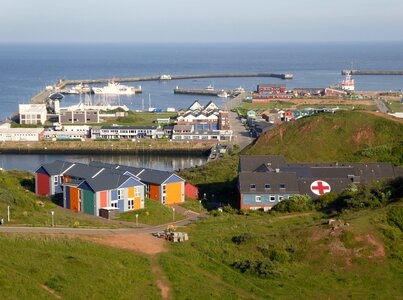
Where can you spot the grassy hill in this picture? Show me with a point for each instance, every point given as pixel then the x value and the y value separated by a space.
pixel 231 256
pixel 263 257
pixel 344 136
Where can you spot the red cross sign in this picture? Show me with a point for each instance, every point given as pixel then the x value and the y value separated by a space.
pixel 320 187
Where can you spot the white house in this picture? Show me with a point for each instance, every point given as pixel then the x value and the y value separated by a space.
pixel 21 134
pixel 32 113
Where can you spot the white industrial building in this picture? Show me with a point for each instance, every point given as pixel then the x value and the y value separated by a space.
pixel 21 134
pixel 32 113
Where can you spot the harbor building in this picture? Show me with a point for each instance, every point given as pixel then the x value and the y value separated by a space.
pixel 21 134
pixel 32 114
pixel 264 181
pixel 124 132
pixel 271 89
pixel 78 116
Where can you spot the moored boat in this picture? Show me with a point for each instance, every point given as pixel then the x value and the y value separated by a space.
pixel 114 88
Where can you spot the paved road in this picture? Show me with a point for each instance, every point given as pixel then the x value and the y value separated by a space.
pixel 381 106
pixel 93 231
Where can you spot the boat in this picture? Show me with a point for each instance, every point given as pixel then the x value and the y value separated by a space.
pixel 348 83
pixel 82 88
pixel 114 88
pixel 209 88
pixel 223 94
pixel 165 77
pixel 239 90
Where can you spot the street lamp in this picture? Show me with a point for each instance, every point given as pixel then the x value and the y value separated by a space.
pixel 53 218
pixel 200 205
pixel 173 214
pixel 137 220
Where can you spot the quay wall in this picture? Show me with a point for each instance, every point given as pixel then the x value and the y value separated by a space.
pixel 104 147
pixel 372 72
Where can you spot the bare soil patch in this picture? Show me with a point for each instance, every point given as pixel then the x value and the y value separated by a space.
pixel 50 291
pixel 144 243
pixel 364 135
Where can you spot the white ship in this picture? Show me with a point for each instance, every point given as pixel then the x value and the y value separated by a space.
pixel 82 88
pixel 348 83
pixel 223 94
pixel 114 88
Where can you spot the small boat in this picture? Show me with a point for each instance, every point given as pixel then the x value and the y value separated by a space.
pixel 114 88
pixel 223 94
pixel 82 88
pixel 239 90
pixel 165 77
pixel 209 88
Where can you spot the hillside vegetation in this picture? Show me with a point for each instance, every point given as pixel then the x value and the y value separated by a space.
pixel 344 136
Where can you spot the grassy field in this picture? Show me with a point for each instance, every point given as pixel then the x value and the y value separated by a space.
pixel 153 214
pixel 73 269
pixel 261 257
pixel 16 191
pixel 272 104
pixel 395 106
pixel 141 118
pixel 341 106
pixel 344 136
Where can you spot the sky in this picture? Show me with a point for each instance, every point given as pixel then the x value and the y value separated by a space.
pixel 200 21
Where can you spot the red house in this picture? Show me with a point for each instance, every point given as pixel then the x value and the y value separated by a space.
pixel 191 191
pixel 48 178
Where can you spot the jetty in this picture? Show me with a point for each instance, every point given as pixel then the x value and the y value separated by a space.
pixel 202 92
pixel 371 72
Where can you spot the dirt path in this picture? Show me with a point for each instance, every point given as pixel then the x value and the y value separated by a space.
pixel 50 291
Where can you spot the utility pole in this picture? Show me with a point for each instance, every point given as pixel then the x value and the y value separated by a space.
pixel 53 218
pixel 173 214
pixel 8 213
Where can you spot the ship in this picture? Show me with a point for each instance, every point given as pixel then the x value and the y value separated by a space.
pixel 165 77
pixel 114 88
pixel 348 83
pixel 223 94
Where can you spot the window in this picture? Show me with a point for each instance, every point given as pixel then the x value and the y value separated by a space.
pixel 258 198
pixel 114 203
pixel 267 186
pixel 272 198
pixel 282 186
pixel 56 180
pixel 148 187
pixel 120 194
pixel 164 188
pixel 280 198
pixel 253 186
pixel 137 192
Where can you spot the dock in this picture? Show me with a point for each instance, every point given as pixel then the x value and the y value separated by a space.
pixel 202 92
pixel 372 72
pixel 62 84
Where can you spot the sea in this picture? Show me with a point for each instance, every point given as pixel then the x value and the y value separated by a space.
pixel 26 69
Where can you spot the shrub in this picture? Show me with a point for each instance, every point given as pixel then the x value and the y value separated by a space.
pixel 257 267
pixel 395 217
pixel 297 203
pixel 325 200
pixel 229 210
pixel 243 238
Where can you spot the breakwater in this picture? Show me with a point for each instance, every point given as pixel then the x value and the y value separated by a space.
pixel 372 72
pixel 105 147
pixel 205 92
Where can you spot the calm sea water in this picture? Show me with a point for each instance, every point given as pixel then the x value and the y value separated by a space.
pixel 26 69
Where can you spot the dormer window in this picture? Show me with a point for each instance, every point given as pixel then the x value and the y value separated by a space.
pixel 253 186
pixel 267 186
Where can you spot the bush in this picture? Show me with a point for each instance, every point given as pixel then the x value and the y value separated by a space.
pixel 395 217
pixel 243 238
pixel 257 267
pixel 297 203
pixel 229 210
pixel 325 200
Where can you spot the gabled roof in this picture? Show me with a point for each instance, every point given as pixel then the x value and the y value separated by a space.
pixel 275 180
pixel 107 181
pixel 195 105
pixel 56 168
pixel 83 171
pixel 251 163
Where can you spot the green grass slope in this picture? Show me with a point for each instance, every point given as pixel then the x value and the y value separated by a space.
pixel 25 209
pixel 258 256
pixel 36 267
pixel 344 136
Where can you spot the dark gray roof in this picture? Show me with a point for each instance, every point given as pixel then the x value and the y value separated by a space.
pixel 82 171
pixel 128 127
pixel 337 185
pixel 57 167
pixel 288 179
pixel 251 163
pixel 374 171
pixel 106 181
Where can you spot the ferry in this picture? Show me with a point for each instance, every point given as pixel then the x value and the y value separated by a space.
pixel 209 88
pixel 223 94
pixel 348 83
pixel 114 88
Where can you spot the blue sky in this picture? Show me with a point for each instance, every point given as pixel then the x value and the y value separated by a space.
pixel 200 21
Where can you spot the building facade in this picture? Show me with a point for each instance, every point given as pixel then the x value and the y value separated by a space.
pixel 124 132
pixel 32 114
pixel 78 116
pixel 21 134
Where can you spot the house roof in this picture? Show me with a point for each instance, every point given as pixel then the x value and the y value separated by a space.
pixel 183 127
pixel 128 127
pixel 84 171
pixel 57 167
pixel 107 181
pixel 275 180
pixel 251 163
